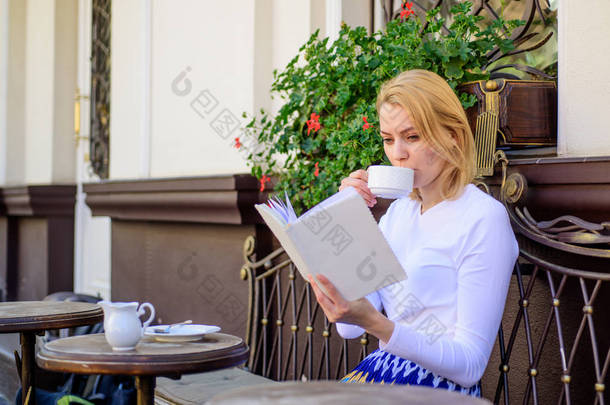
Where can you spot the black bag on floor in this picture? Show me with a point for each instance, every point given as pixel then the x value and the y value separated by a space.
pixel 112 390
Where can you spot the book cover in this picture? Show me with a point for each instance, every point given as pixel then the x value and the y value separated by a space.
pixel 338 238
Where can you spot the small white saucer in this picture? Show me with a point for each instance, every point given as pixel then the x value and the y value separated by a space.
pixel 387 192
pixel 181 333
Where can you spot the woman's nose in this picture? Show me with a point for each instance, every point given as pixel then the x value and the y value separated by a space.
pixel 400 151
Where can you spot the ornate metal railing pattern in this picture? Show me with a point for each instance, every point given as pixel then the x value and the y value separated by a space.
pixel 577 254
pixel 285 321
pixel 99 147
pixel 533 12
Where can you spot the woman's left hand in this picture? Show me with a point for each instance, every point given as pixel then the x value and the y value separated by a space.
pixel 337 308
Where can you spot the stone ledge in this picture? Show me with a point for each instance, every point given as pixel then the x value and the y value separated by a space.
pixel 227 199
pixel 38 200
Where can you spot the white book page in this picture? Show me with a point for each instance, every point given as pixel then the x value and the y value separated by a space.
pixel 344 242
pixel 338 238
pixel 283 211
pixel 278 229
pixel 281 219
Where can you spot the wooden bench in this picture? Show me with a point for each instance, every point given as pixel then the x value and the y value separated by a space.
pixel 194 389
pixel 551 346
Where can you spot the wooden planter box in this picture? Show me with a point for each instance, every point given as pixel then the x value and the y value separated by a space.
pixel 527 110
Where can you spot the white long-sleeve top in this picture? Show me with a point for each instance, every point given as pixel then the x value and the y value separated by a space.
pixel 458 257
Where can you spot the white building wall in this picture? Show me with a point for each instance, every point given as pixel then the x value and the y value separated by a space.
pixel 49 77
pixel 4 19
pixel 130 67
pixel 291 29
pixel 208 62
pixel 64 89
pixel 262 54
pixel 231 49
pixel 195 118
pixel 584 91
pixel 356 13
pixel 39 84
pixel 288 35
pixel 15 94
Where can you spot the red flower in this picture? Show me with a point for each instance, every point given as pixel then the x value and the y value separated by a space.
pixel 406 10
pixel 366 124
pixel 237 143
pixel 313 123
pixel 317 171
pixel 264 179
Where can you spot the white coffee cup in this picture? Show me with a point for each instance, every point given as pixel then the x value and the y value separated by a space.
pixel 390 181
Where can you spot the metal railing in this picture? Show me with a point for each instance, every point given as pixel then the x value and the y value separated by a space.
pixel 288 334
pixel 569 261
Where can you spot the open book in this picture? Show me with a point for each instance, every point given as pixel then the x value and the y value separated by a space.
pixel 338 238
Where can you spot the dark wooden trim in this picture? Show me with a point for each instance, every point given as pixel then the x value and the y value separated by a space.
pixel 2 203
pixel 12 259
pixel 579 171
pixel 204 183
pixel 53 204
pixel 60 254
pixel 563 186
pixel 225 199
pixel 39 201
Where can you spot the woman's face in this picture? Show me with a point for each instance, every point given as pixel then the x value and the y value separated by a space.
pixel 405 148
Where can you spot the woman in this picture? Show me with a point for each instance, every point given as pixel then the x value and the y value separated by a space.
pixel 453 240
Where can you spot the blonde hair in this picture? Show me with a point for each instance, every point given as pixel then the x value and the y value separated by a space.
pixel 441 122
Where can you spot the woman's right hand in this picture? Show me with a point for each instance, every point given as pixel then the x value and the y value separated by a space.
pixel 359 180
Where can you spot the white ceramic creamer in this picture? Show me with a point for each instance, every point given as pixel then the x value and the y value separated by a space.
pixel 122 325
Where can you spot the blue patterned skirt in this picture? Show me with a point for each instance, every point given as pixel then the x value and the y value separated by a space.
pixel 385 368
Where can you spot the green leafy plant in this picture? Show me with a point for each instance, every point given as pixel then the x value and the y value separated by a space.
pixel 328 126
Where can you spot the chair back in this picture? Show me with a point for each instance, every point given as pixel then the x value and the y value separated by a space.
pixel 554 340
pixel 289 336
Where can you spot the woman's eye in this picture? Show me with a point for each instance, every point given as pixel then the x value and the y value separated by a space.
pixel 413 138
pixel 387 140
